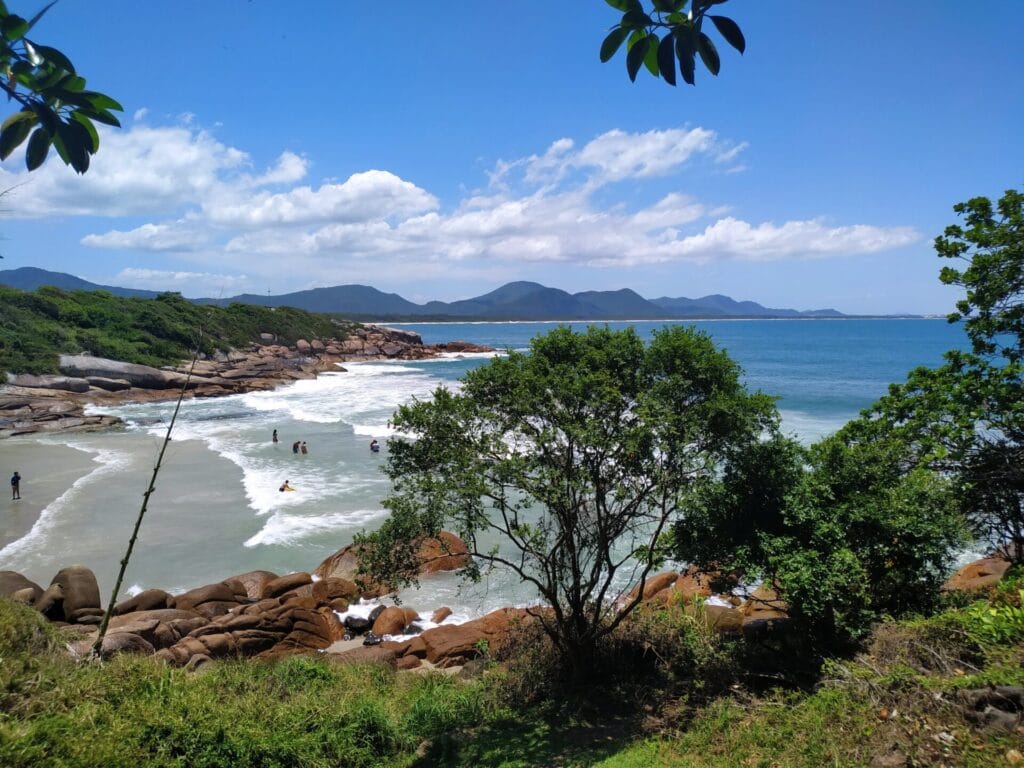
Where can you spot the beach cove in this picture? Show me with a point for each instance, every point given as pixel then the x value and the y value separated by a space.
pixel 217 510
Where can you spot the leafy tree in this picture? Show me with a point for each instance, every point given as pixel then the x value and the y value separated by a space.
pixel 842 529
pixel 56 109
pixel 565 466
pixel 966 418
pixel 682 39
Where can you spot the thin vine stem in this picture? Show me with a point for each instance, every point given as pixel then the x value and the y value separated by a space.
pixel 97 646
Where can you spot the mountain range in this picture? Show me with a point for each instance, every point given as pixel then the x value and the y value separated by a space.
pixel 514 301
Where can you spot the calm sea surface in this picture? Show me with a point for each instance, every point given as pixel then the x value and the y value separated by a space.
pixel 217 510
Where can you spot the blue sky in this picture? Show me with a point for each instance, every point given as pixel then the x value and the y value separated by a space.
pixel 440 150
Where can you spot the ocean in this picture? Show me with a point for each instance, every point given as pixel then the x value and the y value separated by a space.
pixel 217 510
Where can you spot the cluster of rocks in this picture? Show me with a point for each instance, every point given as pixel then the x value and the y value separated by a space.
pixel 30 404
pixel 260 614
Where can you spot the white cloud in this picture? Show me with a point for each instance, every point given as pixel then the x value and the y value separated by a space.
pixel 563 205
pixel 148 237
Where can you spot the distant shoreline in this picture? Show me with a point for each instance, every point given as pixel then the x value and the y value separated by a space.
pixel 656 320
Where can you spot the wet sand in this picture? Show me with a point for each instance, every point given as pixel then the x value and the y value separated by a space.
pixel 47 471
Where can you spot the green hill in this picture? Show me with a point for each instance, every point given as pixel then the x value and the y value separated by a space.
pixel 36 327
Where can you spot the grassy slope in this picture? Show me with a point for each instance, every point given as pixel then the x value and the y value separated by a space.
pixel 133 712
pixel 37 326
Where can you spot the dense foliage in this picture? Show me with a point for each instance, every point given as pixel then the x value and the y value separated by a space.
pixel 36 327
pixel 843 529
pixel 566 465
pixel 56 108
pixel 965 419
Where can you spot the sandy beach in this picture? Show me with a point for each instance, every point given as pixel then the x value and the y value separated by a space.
pixel 47 471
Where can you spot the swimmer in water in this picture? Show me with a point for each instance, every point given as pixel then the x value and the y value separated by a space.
pixel 285 487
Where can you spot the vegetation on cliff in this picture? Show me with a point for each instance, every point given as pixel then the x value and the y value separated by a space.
pixel 37 326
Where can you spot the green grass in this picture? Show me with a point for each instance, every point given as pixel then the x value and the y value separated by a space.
pixel 900 693
pixel 37 326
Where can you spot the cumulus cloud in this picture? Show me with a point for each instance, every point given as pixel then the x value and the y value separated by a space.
pixel 565 204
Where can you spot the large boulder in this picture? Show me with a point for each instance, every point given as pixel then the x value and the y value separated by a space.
pixel 147 600
pixel 253 581
pixel 277 587
pixel 393 621
pixel 73 596
pixel 450 644
pixel 228 591
pixel 979 575
pixel 61 383
pixel 764 612
pixel 143 376
pixel 445 553
pixel 655 584
pixel 12 582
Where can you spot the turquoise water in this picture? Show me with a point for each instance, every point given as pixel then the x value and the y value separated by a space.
pixel 217 510
pixel 824 372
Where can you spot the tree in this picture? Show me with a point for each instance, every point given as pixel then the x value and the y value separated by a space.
pixel 965 418
pixel 683 37
pixel 564 466
pixel 56 109
pixel 848 530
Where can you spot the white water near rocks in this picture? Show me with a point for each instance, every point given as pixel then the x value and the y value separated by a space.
pixel 217 510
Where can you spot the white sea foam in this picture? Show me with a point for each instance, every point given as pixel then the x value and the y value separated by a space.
pixel 133 590
pixel 285 528
pixel 110 463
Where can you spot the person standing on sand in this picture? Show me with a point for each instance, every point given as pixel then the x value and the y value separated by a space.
pixel 15 486
pixel 273 437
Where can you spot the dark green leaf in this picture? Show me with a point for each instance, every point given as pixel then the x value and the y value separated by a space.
pixel 613 42
pixel 708 53
pixel 685 54
pixel 13 27
pixel 663 6
pixel 23 115
pixel 73 83
pixel 38 149
pixel 74 138
pixel 12 135
pixel 730 30
pixel 635 17
pixel 100 116
pixel 55 57
pixel 47 118
pixel 636 55
pixel 651 59
pixel 85 122
pixel 61 148
pixel 622 5
pixel 102 101
pixel 667 60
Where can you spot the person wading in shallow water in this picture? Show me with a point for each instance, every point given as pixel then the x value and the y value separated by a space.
pixel 273 437
pixel 295 446
pixel 15 486
pixel 304 449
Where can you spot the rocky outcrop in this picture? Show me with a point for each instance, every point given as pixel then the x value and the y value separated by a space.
pixel 73 596
pixel 447 552
pixel 978 576
pixel 30 404
pixel 18 588
pixel 26 411
pixel 764 612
